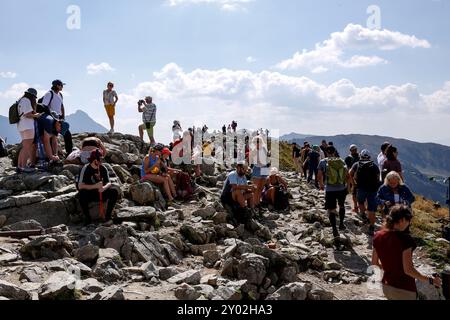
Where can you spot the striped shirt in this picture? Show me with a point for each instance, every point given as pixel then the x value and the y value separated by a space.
pixel 149 113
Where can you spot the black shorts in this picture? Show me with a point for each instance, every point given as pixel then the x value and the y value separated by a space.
pixel 332 198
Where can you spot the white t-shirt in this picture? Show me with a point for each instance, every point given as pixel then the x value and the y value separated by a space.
pixel 108 97
pixel 56 104
pixel 381 159
pixel 24 108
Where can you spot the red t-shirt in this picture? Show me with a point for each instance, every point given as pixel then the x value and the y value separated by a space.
pixel 390 246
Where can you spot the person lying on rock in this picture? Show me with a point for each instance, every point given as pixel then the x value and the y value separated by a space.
pixel 94 186
pixel 237 193
pixel 151 171
pixel 80 157
pixel 275 185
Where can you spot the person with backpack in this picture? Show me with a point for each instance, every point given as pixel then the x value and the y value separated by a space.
pixel 151 171
pixel 148 110
pixel 81 156
pixel 334 180
pixel 94 185
pixel 313 161
pixel 26 109
pixel 110 99
pixel 323 147
pixel 53 103
pixel 393 192
pixel 382 158
pixel 393 252
pixel 275 191
pixel 303 158
pixel 391 163
pixel 350 160
pixel 365 174
pixel 48 129
pixel 234 125
pixel 296 157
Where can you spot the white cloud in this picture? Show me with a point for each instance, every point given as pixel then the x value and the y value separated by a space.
pixel 8 75
pixel 226 5
pixel 333 51
pixel 250 59
pixel 93 69
pixel 17 90
pixel 273 100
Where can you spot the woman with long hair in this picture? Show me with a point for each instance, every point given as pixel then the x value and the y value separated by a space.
pixel 393 253
pixel 26 128
pixel 392 163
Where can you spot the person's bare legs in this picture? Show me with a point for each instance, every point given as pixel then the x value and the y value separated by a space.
pixel 25 153
pixel 161 180
pixel 111 122
pixel 141 132
pixel 259 183
pixel 171 186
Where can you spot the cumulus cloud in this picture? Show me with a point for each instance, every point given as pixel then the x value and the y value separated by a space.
pixel 8 75
pixel 250 59
pixel 273 100
pixel 16 91
pixel 333 51
pixel 93 69
pixel 226 5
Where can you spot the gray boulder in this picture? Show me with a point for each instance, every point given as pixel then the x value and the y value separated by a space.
pixel 143 193
pixel 253 268
pixel 186 292
pixel 13 292
pixel 291 291
pixel 60 286
pixel 189 277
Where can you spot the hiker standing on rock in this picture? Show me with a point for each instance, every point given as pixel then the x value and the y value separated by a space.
pixel 303 159
pixel 334 180
pixel 148 110
pixel 393 252
pixel 351 159
pixel 110 99
pixel 312 162
pixel 94 185
pixel 365 175
pixel 53 100
pixel 25 126
pixel 259 159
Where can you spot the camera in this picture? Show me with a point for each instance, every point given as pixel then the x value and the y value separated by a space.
pixel 141 102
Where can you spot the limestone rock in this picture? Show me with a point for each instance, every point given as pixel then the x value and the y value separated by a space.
pixel 13 292
pixel 60 286
pixel 189 277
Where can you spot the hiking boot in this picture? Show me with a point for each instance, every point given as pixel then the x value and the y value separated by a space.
pixel 371 231
pixel 28 170
pixel 342 227
pixel 335 233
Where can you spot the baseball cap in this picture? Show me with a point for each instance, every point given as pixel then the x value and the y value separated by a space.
pixel 365 154
pixel 274 171
pixel 32 91
pixel 95 155
pixel 166 151
pixel 58 83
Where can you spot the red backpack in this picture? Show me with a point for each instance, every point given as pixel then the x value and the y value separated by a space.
pixel 184 186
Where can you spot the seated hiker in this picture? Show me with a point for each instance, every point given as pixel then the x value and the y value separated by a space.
pixel 48 128
pixel 87 146
pixel 275 191
pixel 151 171
pixel 94 185
pixel 236 192
pixel 183 185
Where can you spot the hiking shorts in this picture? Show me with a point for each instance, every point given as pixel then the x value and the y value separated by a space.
pixel 370 197
pixel 110 110
pixel 27 134
pixel 332 198
pixel 149 127
pixel 260 173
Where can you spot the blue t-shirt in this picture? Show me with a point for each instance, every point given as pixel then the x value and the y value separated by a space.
pixel 328 188
pixel 233 178
pixel 46 123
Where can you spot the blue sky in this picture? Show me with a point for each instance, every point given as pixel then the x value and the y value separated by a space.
pixel 212 61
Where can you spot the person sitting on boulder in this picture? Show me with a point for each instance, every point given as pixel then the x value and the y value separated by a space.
pixel 275 191
pixel 237 193
pixel 94 186
pixel 88 145
pixel 48 128
pixel 151 171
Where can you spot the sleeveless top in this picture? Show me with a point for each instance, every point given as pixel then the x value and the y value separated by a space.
pixel 151 163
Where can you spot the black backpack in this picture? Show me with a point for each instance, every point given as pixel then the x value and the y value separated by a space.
pixel 41 108
pixel 14 116
pixel 281 199
pixel 367 176
pixel 3 151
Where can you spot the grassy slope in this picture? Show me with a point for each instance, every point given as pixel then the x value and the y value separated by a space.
pixel 427 218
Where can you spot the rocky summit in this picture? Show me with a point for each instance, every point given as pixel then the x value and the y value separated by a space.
pixel 187 252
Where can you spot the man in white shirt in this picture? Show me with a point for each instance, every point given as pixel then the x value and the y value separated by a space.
pixel 382 157
pixel 54 101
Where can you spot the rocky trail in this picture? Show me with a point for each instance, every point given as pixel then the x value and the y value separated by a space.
pixel 188 252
